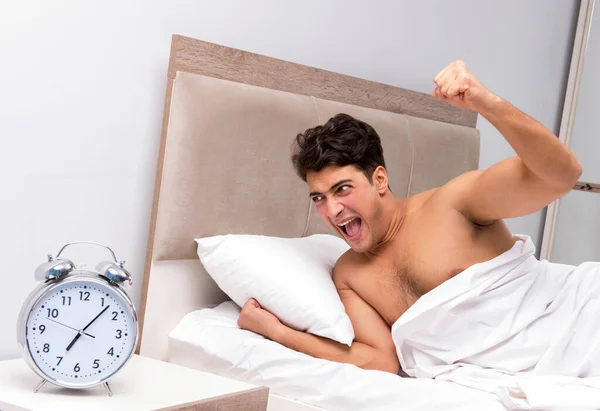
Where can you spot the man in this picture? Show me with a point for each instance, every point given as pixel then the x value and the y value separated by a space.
pixel 404 248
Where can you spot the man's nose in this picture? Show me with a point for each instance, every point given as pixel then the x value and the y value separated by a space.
pixel 334 208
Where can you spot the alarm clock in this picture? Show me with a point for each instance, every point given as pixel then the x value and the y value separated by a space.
pixel 78 328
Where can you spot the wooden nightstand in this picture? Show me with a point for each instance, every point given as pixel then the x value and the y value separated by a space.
pixel 143 384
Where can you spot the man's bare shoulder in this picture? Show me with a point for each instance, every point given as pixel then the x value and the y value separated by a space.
pixel 452 194
pixel 417 201
pixel 346 266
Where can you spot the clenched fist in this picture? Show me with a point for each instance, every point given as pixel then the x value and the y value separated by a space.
pixel 255 318
pixel 457 86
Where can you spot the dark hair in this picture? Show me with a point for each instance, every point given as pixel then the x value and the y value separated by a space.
pixel 342 141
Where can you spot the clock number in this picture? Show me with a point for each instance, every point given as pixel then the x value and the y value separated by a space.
pixel 46 347
pixel 96 363
pixel 52 312
pixel 102 301
pixel 111 352
pixel 84 296
pixel 42 329
pixel 76 368
pixel 59 361
pixel 119 333
pixel 65 300
pixel 114 313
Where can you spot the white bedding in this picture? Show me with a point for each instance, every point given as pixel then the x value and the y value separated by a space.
pixel 210 340
pixel 524 329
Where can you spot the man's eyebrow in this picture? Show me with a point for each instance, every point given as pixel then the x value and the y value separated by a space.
pixel 333 187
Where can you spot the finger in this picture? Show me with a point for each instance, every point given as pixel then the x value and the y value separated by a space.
pixel 457 82
pixel 439 79
pixel 449 72
pixel 453 89
pixel 461 64
pixel 444 81
pixel 437 93
pixel 463 83
pixel 450 75
pixel 447 89
pixel 438 76
pixel 442 73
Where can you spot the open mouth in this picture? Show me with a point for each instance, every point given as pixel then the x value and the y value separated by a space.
pixel 351 228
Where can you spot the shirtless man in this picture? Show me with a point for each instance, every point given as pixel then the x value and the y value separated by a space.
pixel 403 248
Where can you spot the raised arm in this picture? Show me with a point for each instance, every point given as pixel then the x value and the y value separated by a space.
pixel 544 170
pixel 372 348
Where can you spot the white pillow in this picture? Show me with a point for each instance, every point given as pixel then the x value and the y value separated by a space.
pixel 290 277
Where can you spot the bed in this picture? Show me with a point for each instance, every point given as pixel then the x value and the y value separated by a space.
pixel 224 167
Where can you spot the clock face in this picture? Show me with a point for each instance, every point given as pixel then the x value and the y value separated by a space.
pixel 81 332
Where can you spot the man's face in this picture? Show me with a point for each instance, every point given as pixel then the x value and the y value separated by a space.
pixel 348 202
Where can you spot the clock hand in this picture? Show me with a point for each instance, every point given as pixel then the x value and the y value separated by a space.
pixel 74 340
pixel 65 325
pixel 85 328
pixel 95 318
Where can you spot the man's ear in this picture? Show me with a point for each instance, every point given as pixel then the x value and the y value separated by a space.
pixel 380 180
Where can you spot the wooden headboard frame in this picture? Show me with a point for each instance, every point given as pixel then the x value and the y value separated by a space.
pixel 199 57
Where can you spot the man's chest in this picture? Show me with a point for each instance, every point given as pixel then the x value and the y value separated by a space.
pixel 391 288
pixel 395 287
pixel 425 256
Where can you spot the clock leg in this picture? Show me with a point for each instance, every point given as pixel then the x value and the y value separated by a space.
pixel 40 385
pixel 108 389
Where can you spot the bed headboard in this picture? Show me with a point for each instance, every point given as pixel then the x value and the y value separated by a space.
pixel 224 163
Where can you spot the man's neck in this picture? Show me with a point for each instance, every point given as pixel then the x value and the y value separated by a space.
pixel 393 217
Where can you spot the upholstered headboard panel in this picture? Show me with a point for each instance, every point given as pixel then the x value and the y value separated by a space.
pixel 227 165
pixel 224 163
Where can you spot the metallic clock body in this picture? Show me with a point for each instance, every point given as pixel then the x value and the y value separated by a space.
pixel 59 274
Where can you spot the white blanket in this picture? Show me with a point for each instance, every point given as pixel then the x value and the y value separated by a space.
pixel 524 329
pixel 210 340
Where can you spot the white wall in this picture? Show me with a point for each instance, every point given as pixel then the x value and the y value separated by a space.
pixel 83 87
pixel 577 237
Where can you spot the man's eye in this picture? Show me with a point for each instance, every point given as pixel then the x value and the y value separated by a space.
pixel 343 188
pixel 316 199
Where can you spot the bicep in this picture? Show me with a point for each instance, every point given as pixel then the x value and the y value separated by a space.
pixel 369 327
pixel 373 347
pixel 507 189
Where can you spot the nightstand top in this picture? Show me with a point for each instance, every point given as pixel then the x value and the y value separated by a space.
pixel 143 384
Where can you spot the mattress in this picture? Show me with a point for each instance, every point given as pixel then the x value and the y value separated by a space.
pixel 210 340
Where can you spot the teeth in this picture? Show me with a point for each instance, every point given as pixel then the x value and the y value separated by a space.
pixel 343 224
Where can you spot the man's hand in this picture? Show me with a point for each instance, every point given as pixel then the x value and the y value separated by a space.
pixel 457 86
pixel 255 318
